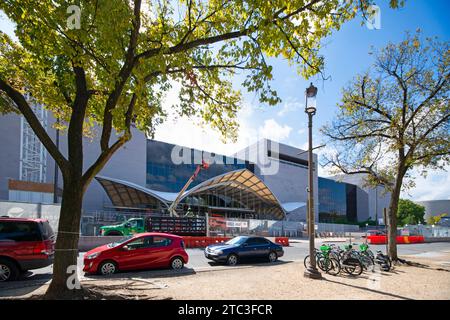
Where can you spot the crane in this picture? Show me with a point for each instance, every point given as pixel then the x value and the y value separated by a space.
pixel 173 206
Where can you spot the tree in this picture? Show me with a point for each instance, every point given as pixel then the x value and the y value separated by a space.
pixel 395 118
pixel 409 212
pixel 432 220
pixel 109 63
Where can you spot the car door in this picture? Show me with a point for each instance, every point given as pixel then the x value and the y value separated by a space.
pixel 133 254
pixel 159 252
pixel 249 248
pixel 18 239
pixel 134 226
pixel 262 247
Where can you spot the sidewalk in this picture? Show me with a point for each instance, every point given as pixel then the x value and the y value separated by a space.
pixel 283 280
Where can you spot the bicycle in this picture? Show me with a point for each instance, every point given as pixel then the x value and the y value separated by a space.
pixel 350 261
pixel 324 261
pixel 327 262
pixel 384 261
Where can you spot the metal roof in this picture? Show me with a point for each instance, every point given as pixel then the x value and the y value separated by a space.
pixel 243 184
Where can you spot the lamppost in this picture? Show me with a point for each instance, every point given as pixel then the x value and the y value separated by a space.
pixel 310 109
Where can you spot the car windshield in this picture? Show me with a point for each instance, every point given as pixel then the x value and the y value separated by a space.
pixel 237 240
pixel 118 243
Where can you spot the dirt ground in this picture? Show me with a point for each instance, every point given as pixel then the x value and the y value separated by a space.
pixel 425 280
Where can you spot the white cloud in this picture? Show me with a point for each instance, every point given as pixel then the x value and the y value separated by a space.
pixel 435 186
pixel 274 131
pixel 187 132
pixel 290 105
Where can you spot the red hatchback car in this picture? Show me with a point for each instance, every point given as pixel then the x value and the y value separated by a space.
pixel 25 244
pixel 141 251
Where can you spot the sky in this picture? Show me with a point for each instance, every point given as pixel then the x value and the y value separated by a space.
pixel 346 54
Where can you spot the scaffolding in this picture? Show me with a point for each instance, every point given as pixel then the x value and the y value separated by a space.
pixel 33 156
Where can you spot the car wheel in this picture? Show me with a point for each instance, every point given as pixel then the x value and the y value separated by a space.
pixel 8 270
pixel 232 260
pixel 177 263
pixel 107 268
pixel 273 256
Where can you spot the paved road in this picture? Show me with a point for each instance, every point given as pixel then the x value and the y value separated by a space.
pixel 295 252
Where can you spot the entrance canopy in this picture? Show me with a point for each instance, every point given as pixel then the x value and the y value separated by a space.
pixel 234 190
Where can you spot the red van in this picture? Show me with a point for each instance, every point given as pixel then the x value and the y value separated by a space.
pixel 142 251
pixel 25 244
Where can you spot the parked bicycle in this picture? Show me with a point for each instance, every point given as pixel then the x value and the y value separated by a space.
pixel 351 261
pixel 327 262
pixel 383 261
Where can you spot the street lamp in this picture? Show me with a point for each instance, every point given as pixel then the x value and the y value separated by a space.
pixel 310 108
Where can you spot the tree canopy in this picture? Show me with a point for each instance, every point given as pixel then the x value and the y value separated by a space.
pixel 395 117
pixel 410 212
pixel 396 113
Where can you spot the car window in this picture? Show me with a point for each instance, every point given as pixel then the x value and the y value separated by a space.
pixel 237 240
pixel 137 244
pixel 47 231
pixel 133 223
pixel 140 223
pixel 262 241
pixel 19 231
pixel 253 241
pixel 161 242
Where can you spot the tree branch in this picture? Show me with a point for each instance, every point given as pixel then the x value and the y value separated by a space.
pixel 35 124
pixel 124 74
pixel 105 155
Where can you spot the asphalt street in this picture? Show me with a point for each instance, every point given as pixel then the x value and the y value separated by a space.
pixel 198 262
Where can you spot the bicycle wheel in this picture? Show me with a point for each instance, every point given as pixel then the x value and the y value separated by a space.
pixel 306 262
pixel 323 264
pixel 352 266
pixel 366 261
pixel 334 267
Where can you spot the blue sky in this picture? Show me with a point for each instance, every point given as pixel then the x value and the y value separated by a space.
pixel 346 54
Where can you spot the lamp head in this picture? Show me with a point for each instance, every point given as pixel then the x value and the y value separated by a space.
pixel 311 94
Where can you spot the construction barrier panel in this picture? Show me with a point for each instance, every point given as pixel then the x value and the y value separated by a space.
pixel 284 241
pixel 202 242
pixel 399 239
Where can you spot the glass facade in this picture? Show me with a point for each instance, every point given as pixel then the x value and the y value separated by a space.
pixel 164 174
pixel 337 201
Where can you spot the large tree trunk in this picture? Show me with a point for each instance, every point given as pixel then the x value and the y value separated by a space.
pixel 392 215
pixel 65 283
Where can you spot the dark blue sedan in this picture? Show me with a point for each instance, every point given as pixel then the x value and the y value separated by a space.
pixel 244 247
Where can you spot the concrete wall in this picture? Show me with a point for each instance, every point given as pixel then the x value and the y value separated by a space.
pixel 32 210
pixel 128 163
pixel 10 151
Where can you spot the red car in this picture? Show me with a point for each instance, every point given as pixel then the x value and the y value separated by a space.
pixel 141 251
pixel 25 244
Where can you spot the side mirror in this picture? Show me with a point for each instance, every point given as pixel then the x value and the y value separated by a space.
pixel 127 225
pixel 245 244
pixel 125 248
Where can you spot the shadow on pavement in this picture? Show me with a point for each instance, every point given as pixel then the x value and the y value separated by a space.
pixel 253 263
pixel 370 290
pixel 24 285
pixel 143 274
